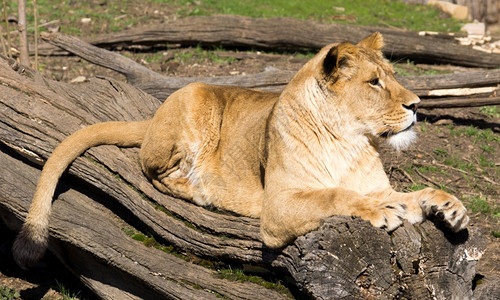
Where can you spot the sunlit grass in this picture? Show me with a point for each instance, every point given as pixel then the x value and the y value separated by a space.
pixel 113 15
pixel 360 12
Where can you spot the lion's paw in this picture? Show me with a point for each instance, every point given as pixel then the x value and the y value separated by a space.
pixel 447 207
pixel 388 216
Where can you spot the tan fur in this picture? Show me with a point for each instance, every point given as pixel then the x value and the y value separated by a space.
pixel 290 159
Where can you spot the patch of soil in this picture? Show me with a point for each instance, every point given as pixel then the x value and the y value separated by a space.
pixel 457 151
pixel 177 61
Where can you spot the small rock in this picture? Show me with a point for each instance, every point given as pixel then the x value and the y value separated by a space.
pixel 79 79
pixel 443 122
pixel 476 28
pixel 271 69
pixel 86 20
pixel 460 12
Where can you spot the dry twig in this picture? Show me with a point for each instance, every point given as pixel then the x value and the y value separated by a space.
pixel 35 13
pixel 432 181
pixel 9 51
pixel 404 173
pixel 2 40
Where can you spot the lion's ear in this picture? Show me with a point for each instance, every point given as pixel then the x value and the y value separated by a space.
pixel 374 41
pixel 338 57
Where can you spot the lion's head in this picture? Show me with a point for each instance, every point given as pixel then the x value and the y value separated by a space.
pixel 357 80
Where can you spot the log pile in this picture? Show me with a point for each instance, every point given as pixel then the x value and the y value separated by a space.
pixel 287 33
pixel 476 88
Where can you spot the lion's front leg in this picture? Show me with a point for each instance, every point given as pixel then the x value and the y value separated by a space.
pixel 432 202
pixel 445 206
pixel 293 213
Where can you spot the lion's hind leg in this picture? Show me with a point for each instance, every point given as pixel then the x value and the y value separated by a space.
pixel 176 187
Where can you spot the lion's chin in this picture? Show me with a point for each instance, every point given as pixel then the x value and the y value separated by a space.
pixel 402 140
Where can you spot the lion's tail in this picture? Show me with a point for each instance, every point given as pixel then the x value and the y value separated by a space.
pixel 31 243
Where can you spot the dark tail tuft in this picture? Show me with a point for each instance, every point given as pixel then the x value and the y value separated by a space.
pixel 29 246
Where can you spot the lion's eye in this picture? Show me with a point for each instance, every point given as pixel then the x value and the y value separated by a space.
pixel 374 81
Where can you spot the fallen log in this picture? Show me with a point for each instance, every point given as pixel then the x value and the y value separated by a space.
pixel 105 193
pixel 96 248
pixel 162 86
pixel 459 102
pixel 286 33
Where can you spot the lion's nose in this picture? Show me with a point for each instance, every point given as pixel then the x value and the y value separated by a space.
pixel 412 107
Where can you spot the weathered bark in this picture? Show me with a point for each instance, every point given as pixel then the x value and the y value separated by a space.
pixel 156 84
pixel 345 257
pixel 275 33
pixel 87 238
pixel 162 86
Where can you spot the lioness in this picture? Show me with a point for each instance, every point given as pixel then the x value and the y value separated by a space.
pixel 291 159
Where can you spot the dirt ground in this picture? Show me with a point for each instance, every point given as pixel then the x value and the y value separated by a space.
pixel 458 150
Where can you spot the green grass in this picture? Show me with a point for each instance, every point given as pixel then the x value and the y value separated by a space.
pixel 441 152
pixel 361 12
pixel 226 273
pixel 8 294
pixel 66 294
pixel 487 148
pixel 485 162
pixel 70 13
pixel 431 169
pixel 458 163
pixel 150 242
pixel 410 69
pixel 117 15
pixel 200 55
pixel 240 276
pixel 416 187
pixel 485 135
pixel 481 205
pixel 481 134
pixel 490 111
pixel 485 208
